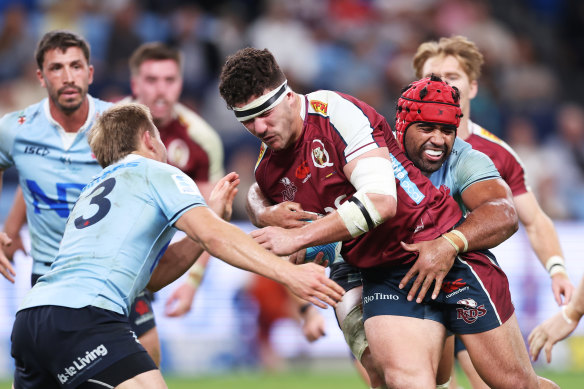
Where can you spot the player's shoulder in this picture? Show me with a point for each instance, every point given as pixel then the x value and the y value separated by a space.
pixel 191 119
pixel 100 105
pixel 485 135
pixel 20 118
pixel 198 128
pixel 490 144
pixel 327 102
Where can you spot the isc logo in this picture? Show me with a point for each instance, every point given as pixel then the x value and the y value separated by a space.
pixel 42 151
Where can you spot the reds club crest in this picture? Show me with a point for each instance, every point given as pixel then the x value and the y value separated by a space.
pixel 472 312
pixel 290 189
pixel 320 156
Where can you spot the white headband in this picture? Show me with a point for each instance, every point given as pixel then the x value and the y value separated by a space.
pixel 262 103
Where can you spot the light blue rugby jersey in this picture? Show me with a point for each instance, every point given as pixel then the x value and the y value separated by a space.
pixel 50 175
pixel 117 232
pixel 464 167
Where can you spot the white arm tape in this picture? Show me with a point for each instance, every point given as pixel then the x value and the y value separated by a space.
pixel 374 175
pixel 371 175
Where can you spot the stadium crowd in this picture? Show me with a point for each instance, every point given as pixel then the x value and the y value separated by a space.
pixel 360 47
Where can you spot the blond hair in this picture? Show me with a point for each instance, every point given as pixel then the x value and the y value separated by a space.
pixel 465 51
pixel 117 131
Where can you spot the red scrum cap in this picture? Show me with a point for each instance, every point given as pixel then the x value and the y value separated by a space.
pixel 429 100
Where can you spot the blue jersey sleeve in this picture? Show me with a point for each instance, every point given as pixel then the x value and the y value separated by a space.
pixel 8 125
pixel 173 191
pixel 474 166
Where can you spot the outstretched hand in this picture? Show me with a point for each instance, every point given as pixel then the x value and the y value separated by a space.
pixel 310 283
pixel 435 258
pixel 222 195
pixel 5 266
pixel 550 332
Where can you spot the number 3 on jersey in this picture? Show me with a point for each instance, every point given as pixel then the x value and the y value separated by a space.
pixel 98 198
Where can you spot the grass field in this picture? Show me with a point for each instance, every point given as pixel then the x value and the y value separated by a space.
pixel 309 380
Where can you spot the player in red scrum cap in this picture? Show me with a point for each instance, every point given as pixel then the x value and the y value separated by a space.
pixel 346 133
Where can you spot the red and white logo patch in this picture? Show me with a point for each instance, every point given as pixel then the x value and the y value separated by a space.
pixel 470 315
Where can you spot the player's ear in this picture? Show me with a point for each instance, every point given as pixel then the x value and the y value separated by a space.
pixel 474 89
pixel 40 77
pixel 147 140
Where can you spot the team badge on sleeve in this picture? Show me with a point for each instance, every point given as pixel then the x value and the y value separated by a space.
pixel 319 106
pixel 184 184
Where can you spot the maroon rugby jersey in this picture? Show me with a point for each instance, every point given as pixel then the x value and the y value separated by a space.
pixel 502 155
pixel 192 145
pixel 338 128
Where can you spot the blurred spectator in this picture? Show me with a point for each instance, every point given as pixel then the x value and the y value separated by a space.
pixel 361 47
pixel 121 42
pixel 522 137
pixel 16 39
pixel 565 157
pixel 290 41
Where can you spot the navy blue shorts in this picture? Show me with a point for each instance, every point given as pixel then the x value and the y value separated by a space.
pixel 59 347
pixel 474 297
pixel 141 316
pixel 347 276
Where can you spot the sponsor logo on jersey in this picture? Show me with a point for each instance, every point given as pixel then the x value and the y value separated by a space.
pixel 302 171
pixel 37 150
pixel 184 184
pixel 320 157
pixel 470 315
pixel 289 192
pixel 82 362
pixel 141 307
pixel 457 292
pixel 380 296
pixel 21 119
pixel 451 286
pixel 400 172
pixel 319 106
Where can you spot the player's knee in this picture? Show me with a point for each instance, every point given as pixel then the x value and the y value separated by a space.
pixel 402 379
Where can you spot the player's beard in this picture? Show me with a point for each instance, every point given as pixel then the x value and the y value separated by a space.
pixel 426 166
pixel 72 105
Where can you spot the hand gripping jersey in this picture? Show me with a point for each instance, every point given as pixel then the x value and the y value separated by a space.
pixel 117 232
pixel 51 172
pixel 505 159
pixel 192 145
pixel 338 128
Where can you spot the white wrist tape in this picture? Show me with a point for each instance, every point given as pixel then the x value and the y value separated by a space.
pixel 555 265
pixel 565 316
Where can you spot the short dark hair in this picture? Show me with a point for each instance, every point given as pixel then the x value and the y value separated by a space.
pixel 157 51
pixel 62 40
pixel 248 73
